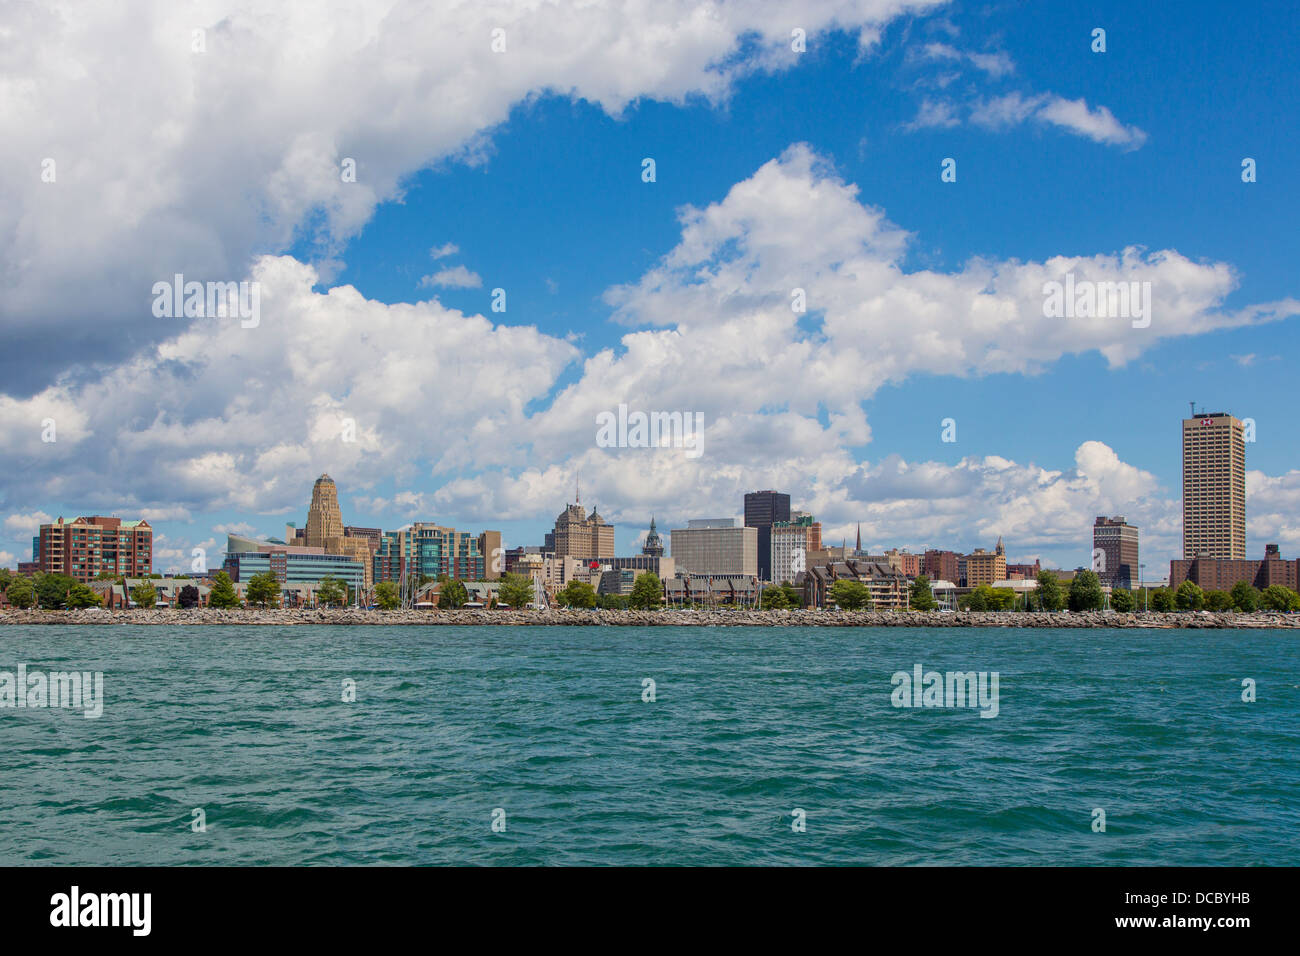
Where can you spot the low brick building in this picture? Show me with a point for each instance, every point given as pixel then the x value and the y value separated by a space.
pixel 1220 574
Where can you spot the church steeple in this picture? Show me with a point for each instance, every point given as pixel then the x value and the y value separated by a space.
pixel 857 549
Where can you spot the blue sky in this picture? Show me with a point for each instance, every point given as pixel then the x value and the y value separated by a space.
pixel 1061 152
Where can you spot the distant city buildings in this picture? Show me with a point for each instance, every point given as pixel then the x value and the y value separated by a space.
pixel 1115 542
pixel 715 547
pixel 1025 572
pixel 762 510
pixel 940 565
pixel 986 567
pixel 325 530
pixel 653 545
pixel 85 547
pixel 711 558
pixel 1214 486
pixel 906 562
pixel 793 542
pixel 580 535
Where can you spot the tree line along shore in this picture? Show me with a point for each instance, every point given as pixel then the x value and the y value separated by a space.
pixel 717 617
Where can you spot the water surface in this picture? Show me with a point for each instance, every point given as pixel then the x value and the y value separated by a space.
pixel 548 725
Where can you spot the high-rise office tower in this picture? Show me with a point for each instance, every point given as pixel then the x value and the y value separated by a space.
pixel 1214 486
pixel 762 510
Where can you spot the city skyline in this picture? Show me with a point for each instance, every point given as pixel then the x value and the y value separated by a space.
pixel 324 527
pixel 925 391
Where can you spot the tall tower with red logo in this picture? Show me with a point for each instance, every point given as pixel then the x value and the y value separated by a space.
pixel 1214 486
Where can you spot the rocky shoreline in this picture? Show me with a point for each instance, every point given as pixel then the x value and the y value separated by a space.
pixel 281 617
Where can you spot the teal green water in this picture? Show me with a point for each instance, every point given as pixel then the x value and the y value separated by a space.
pixel 549 725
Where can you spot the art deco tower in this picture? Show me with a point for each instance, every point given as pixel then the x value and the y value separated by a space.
pixel 324 519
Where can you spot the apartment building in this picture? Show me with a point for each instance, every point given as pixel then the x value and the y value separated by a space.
pixel 85 547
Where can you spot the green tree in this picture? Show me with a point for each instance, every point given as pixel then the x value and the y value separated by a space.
pixel 1086 593
pixel 452 595
pixel 1122 600
pixel 774 599
pixel 7 577
pixel 647 591
pixel 614 602
pixel 223 593
pixel 1244 596
pixel 331 592
pixel 1050 595
pixel 793 595
pixel 1218 601
pixel 386 596
pixel 81 595
pixel 188 597
pixel 144 594
pixel 1000 599
pixel 1276 597
pixel 922 598
pixel 578 594
pixel 1189 596
pixel 21 593
pixel 263 589
pixel 516 590
pixel 52 590
pixel 1161 599
pixel 850 595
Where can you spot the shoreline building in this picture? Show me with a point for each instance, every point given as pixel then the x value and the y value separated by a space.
pixel 762 510
pixel 86 546
pixel 888 586
pixel 1117 540
pixel 1220 574
pixel 1214 486
pixel 294 566
pixel 424 548
pixel 715 547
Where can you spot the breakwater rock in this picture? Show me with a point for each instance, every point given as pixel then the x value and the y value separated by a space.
pixel 286 617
